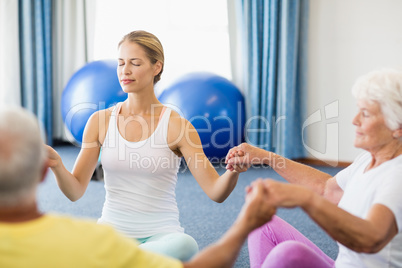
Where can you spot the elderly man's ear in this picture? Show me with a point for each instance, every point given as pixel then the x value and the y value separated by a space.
pixel 45 169
pixel 397 133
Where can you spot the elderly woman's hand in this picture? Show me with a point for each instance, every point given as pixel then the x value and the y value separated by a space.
pixel 246 155
pixel 238 167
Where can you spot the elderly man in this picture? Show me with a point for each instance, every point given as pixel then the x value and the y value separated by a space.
pixel 29 238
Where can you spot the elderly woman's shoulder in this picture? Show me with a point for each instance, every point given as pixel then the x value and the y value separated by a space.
pixel 363 157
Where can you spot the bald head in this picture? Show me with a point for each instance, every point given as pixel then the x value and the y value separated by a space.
pixel 22 155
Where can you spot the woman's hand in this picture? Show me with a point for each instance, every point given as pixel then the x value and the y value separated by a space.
pixel 53 158
pixel 245 155
pixel 241 167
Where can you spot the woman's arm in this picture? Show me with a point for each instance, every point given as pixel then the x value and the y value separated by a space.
pixel 74 184
pixel 186 140
pixel 367 235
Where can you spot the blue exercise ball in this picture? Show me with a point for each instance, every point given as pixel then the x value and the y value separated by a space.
pixel 93 87
pixel 214 106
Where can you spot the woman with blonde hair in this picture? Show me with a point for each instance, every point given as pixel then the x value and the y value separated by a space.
pixel 142 144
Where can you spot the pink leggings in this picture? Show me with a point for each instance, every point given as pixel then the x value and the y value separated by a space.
pixel 278 244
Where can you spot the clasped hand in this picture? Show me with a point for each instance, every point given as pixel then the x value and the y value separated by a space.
pixel 276 194
pixel 241 157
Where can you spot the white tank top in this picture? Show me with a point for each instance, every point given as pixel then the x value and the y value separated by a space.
pixel 140 181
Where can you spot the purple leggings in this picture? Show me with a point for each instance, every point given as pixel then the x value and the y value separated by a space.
pixel 278 244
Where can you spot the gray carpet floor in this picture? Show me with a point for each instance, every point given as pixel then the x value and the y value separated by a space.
pixel 201 218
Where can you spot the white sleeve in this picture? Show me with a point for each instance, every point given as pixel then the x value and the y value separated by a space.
pixel 389 193
pixel 343 176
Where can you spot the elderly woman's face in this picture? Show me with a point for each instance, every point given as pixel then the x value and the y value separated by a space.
pixel 371 132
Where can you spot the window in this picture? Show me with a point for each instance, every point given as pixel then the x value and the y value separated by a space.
pixel 194 34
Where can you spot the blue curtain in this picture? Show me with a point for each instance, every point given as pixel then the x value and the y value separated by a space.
pixel 275 39
pixel 35 28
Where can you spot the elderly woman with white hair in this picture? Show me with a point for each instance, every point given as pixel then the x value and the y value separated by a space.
pixel 360 207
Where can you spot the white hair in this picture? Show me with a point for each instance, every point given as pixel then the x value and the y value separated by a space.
pixel 22 154
pixel 384 87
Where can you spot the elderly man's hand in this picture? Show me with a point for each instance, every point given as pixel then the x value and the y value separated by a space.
pixel 257 209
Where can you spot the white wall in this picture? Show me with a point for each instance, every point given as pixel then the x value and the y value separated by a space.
pixel 184 27
pixel 347 38
pixel 9 56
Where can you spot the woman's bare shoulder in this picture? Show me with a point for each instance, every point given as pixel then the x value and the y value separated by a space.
pixel 99 116
pixel 177 122
pixel 175 114
pixel 176 130
pixel 102 118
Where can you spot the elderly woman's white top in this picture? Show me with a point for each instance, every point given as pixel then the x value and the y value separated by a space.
pixel 380 185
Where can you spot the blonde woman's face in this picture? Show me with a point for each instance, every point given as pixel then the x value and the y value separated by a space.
pixel 135 71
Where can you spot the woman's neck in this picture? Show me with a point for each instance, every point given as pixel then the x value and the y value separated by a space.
pixel 141 104
pixel 390 151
